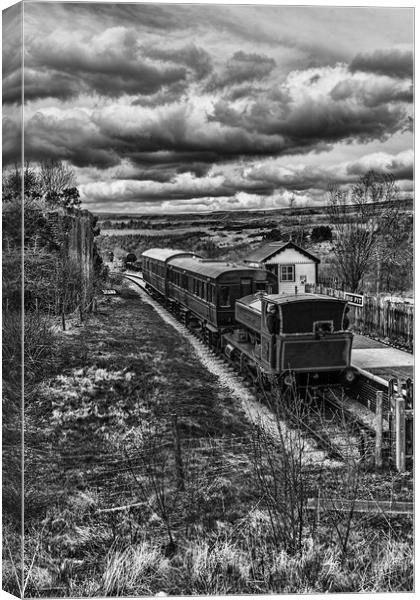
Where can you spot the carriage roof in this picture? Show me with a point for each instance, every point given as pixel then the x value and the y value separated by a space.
pixel 164 254
pixel 210 268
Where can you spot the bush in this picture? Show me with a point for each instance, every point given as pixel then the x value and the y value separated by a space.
pixel 273 234
pixel 322 233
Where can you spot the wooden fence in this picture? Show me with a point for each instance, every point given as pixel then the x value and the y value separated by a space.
pixel 379 316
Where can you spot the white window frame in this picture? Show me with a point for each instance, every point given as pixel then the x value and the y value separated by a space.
pixel 287 279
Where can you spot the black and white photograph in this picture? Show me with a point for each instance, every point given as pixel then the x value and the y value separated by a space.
pixel 208 299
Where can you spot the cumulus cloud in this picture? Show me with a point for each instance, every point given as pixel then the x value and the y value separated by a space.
pixel 110 63
pixel 185 105
pixel 373 91
pixel 12 53
pixel 321 106
pixel 400 165
pixel 392 62
pixel 240 68
pixel 189 55
pixel 271 183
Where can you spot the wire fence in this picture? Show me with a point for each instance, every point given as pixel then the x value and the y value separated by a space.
pixel 119 479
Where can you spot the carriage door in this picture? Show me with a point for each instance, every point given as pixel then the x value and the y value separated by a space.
pixel 268 340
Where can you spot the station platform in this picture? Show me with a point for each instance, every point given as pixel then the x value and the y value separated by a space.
pixel 381 360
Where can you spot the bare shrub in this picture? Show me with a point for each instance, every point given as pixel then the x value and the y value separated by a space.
pixel 279 469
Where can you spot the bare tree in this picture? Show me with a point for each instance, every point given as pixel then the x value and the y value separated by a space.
pixel 362 217
pixel 292 202
pixel 55 178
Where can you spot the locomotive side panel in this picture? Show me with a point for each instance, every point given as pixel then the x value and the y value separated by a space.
pixel 303 353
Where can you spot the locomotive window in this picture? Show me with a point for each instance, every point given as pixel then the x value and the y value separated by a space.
pixel 272 318
pixel 246 286
pixel 323 327
pixel 224 296
pixel 287 273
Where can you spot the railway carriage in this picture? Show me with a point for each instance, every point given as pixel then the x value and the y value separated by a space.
pixel 154 267
pixel 207 290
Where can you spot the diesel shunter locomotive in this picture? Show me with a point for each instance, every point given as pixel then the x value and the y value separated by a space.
pixel 279 338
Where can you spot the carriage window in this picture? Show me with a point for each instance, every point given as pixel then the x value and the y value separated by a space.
pixel 184 281
pixel 246 286
pixel 210 293
pixel 202 289
pixel 287 273
pixel 224 296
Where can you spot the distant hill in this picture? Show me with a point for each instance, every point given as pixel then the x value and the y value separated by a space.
pixel 406 204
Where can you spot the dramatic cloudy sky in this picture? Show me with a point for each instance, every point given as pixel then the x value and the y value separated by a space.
pixel 165 108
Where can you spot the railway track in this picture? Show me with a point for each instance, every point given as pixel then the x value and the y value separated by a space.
pixel 325 420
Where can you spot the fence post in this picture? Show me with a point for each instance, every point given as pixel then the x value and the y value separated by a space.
pixel 63 320
pixel 400 434
pixel 379 430
pixel 178 457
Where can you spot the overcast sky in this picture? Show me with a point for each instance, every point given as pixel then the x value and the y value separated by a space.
pixel 167 108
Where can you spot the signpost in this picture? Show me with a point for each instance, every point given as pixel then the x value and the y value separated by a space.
pixel 109 292
pixel 353 299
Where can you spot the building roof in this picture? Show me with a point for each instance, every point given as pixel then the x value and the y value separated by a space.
pixel 208 268
pixel 265 252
